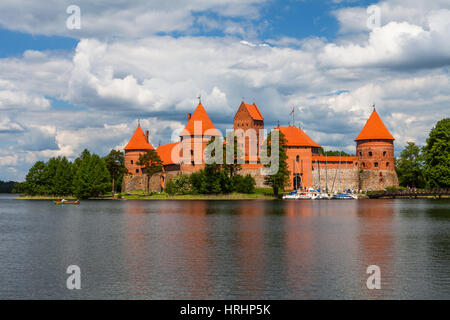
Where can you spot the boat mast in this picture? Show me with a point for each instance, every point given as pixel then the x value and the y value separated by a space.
pixel 318 168
pixel 326 171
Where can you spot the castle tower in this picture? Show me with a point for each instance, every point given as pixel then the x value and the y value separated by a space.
pixel 248 120
pixel 300 149
pixel 138 145
pixel 194 139
pixel 375 152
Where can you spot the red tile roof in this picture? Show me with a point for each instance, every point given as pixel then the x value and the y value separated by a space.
pixel 296 137
pixel 253 111
pixel 138 141
pixel 333 159
pixel 374 129
pixel 200 115
pixel 165 153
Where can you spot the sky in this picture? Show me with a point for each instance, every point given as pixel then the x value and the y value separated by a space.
pixel 64 89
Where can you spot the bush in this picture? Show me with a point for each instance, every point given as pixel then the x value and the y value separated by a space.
pixel 180 185
pixel 244 184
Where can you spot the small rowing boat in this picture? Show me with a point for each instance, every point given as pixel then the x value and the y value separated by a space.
pixel 63 201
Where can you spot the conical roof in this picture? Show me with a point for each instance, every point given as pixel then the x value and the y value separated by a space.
pixel 374 129
pixel 200 115
pixel 138 141
pixel 296 137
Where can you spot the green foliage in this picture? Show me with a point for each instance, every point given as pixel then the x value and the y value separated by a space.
pixel 334 153
pixel 7 187
pixel 92 178
pixel 19 187
pixel 151 163
pixel 409 167
pixel 280 179
pixel 436 155
pixel 115 163
pixel 243 184
pixel 179 185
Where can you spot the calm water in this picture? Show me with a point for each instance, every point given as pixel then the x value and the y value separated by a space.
pixel 224 249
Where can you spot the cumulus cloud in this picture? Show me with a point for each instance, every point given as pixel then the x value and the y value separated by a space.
pixel 117 18
pixel 401 67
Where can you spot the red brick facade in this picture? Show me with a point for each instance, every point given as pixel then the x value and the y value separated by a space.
pixel 371 168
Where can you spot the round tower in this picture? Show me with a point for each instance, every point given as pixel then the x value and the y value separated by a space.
pixel 375 152
pixel 194 139
pixel 138 145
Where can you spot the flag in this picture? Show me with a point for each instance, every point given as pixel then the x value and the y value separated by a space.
pixel 292 112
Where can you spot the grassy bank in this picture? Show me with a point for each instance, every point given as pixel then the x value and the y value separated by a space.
pixel 264 194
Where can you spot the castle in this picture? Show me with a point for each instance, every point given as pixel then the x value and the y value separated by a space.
pixel 371 169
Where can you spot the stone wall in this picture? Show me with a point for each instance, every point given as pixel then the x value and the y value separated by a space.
pixel 345 179
pixel 256 174
pixel 132 183
pixel 377 179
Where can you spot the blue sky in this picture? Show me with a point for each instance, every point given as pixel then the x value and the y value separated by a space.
pixel 64 90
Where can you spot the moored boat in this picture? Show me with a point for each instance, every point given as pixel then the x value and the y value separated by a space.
pixel 344 196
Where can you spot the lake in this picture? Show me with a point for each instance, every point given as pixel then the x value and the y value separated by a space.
pixel 225 249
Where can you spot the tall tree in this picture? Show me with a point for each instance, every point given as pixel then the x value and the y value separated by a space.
pixel 437 156
pixel 280 179
pixel 409 167
pixel 152 164
pixel 35 182
pixel 63 177
pixel 92 177
pixel 115 162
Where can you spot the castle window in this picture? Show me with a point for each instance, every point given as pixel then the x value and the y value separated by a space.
pixel 384 153
pixel 137 170
pixel 370 153
pixel 297 158
pixel 364 164
pixel 376 164
pixel 132 161
pixel 192 152
pixel 381 174
pixel 387 164
pixel 356 164
pixel 360 154
pixel 192 163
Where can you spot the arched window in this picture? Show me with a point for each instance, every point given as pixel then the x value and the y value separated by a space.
pixel 387 164
pixel 297 158
pixel 384 153
pixel 137 170
pixel 376 164
pixel 370 153
pixel 364 164
pixel 132 161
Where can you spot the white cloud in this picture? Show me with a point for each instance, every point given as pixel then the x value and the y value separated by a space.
pixel 105 19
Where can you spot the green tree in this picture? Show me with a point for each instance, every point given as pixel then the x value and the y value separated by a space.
pixel 334 153
pixel 152 164
pixel 180 184
pixel 62 177
pixel 92 177
pixel 409 167
pixel 280 179
pixel 232 169
pixel 244 184
pixel 35 181
pixel 115 162
pixel 437 156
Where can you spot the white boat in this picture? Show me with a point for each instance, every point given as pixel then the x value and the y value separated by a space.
pixel 344 196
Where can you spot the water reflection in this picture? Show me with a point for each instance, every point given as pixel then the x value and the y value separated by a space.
pixel 377 244
pixel 221 249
